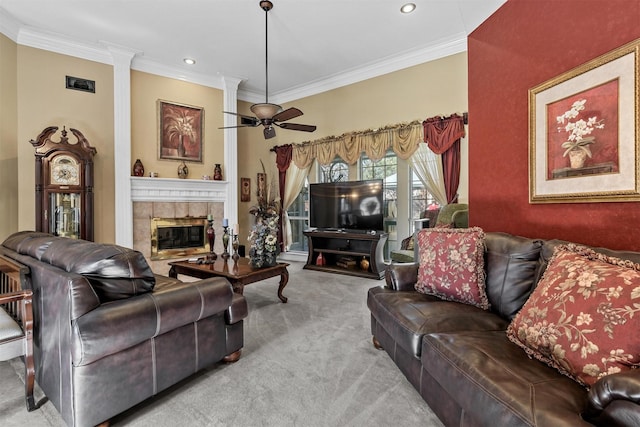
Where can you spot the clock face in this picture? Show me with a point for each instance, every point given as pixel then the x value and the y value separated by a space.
pixel 65 170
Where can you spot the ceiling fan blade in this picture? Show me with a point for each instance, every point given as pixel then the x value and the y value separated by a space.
pixel 297 126
pixel 269 132
pixel 288 114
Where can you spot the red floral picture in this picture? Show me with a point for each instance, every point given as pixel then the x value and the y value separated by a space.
pixel 585 138
pixel 583 146
pixel 181 129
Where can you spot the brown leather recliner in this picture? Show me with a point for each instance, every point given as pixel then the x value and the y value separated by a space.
pixel 108 333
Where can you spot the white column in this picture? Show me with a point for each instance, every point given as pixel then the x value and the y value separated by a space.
pixel 122 143
pixel 231 148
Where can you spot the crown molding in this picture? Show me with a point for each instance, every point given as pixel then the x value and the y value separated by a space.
pixel 56 43
pixel 152 67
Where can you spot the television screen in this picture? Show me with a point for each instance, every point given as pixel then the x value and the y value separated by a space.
pixel 350 205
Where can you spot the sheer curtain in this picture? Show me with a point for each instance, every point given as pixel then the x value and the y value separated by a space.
pixel 428 166
pixel 293 184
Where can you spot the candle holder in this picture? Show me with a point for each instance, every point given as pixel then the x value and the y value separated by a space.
pixel 225 242
pixel 235 244
pixel 211 236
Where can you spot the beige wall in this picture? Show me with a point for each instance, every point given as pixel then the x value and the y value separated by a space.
pixel 434 88
pixel 44 101
pixel 8 130
pixel 146 90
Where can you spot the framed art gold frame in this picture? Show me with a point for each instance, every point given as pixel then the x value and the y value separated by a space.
pixel 590 113
pixel 245 189
pixel 181 129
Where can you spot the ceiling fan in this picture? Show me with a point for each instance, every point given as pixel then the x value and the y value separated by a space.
pixel 267 114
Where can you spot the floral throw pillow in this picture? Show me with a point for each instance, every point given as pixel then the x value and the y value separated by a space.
pixel 451 265
pixel 583 318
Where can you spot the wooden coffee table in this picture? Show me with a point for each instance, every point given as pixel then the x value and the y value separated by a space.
pixel 239 273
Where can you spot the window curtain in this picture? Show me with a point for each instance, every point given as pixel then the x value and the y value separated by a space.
pixel 294 183
pixel 284 154
pixel 403 138
pixel 443 137
pixel 428 166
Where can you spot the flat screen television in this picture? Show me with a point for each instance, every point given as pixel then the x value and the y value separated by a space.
pixel 349 205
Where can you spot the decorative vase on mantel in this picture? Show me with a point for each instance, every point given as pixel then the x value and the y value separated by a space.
pixel 183 170
pixel 138 168
pixel 217 172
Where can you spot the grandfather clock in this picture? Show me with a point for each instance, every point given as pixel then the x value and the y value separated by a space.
pixel 64 184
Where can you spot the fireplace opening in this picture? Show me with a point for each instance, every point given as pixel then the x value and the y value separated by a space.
pixel 176 237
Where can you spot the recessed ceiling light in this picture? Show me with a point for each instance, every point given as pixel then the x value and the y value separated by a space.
pixel 408 8
pixel 189 61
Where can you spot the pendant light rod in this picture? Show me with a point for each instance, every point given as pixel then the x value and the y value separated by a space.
pixel 266 6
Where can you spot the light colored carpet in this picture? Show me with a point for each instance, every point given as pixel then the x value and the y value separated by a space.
pixel 309 362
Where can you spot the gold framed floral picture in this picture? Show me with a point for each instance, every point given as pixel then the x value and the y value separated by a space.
pixel 180 131
pixel 583 132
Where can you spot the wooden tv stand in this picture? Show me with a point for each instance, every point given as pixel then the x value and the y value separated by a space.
pixel 341 248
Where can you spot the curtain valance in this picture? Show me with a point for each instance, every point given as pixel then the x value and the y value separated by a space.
pixel 403 138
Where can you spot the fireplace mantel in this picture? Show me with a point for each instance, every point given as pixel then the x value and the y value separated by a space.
pixel 178 190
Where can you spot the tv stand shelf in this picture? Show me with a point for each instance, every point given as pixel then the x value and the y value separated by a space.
pixel 344 247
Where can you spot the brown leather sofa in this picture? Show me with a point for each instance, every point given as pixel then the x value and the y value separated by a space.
pixel 460 360
pixel 108 333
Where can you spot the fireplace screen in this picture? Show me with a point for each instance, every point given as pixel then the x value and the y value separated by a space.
pixel 176 237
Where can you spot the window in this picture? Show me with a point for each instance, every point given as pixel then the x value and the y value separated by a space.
pixel 386 169
pixel 336 171
pixel 299 218
pixel 421 199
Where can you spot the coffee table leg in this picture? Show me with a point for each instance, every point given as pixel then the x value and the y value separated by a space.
pixel 284 279
pixel 238 287
pixel 173 273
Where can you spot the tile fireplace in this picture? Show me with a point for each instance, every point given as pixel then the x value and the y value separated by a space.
pixel 176 203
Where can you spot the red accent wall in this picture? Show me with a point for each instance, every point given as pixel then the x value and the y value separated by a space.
pixel 524 43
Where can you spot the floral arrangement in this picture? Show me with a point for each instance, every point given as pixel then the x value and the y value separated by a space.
pixel 264 234
pixel 578 129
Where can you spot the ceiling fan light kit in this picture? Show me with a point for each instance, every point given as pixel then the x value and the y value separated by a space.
pixel 269 114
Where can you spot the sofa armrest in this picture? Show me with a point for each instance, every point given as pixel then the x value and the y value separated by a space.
pixel 614 400
pixel 402 276
pixel 237 311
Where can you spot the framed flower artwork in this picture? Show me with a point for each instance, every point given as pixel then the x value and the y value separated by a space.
pixel 583 132
pixel 180 131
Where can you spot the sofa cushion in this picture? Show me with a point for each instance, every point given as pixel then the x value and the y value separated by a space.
pixel 451 265
pixel 511 263
pixel 496 383
pixel 583 317
pixel 114 272
pixel 408 315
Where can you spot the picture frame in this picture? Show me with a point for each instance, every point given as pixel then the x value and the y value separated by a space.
pixel 180 131
pixel 245 189
pixel 590 112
